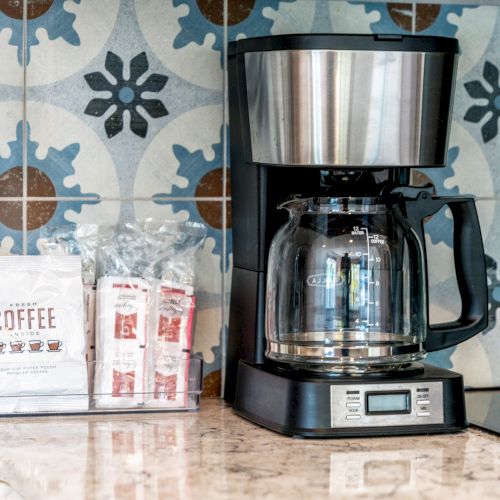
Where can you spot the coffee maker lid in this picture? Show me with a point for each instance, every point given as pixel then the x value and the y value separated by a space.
pixel 375 42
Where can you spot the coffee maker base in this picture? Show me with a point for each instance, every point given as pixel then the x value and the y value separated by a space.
pixel 295 404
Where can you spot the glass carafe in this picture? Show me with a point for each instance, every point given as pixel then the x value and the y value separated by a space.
pixel 345 286
pixel 347 281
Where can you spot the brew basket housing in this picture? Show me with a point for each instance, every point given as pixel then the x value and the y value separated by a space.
pixel 347 100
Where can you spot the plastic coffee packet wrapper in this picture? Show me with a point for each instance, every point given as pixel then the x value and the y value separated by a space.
pixel 81 240
pixel 171 329
pixel 162 255
pixel 122 333
pixel 42 342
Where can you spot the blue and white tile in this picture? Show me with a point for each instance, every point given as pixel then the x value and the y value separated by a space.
pixel 286 17
pixel 177 159
pixel 11 177
pixel 479 107
pixel 66 212
pixel 65 38
pixel 124 87
pixel 11 48
pixel 476 30
pixel 468 170
pixel 11 111
pixel 70 153
pixel 351 17
pixel 183 39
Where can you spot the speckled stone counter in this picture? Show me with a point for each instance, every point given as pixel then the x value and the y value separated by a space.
pixel 216 455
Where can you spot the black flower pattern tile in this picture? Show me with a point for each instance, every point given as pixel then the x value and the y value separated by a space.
pixel 477 112
pixel 126 95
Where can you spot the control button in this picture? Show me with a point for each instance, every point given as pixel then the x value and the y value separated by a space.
pixel 424 414
pixel 353 405
pixel 353 417
pixel 423 402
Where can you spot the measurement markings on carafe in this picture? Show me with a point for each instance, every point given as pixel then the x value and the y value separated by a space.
pixel 369 276
pixel 379 405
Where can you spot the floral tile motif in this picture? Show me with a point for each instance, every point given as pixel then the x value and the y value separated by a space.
pixel 126 94
pixel 125 88
pixel 476 113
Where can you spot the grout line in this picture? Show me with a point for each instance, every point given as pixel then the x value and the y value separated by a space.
pixel 413 18
pixel 224 202
pixel 215 199
pixel 14 199
pixel 25 136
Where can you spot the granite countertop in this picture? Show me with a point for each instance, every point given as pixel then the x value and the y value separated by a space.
pixel 215 454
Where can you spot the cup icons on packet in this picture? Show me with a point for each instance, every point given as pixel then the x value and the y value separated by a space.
pixel 16 346
pixel 3 345
pixel 36 345
pixel 54 345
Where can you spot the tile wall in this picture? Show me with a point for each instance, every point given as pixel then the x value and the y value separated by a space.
pixel 114 109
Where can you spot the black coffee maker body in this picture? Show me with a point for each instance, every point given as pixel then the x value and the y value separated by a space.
pixel 334 123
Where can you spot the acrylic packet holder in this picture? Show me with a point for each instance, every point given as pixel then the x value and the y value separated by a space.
pixel 158 399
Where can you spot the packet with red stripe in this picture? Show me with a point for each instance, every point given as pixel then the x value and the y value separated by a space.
pixel 121 347
pixel 145 314
pixel 171 340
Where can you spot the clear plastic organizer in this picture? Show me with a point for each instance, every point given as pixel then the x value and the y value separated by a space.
pixel 128 395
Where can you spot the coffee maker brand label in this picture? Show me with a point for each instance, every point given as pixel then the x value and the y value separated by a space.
pixel 323 280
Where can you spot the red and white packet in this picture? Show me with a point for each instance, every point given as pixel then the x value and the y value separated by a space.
pixel 171 328
pixel 121 342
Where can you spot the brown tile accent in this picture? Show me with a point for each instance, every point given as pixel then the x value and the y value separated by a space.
pixel 11 182
pixel 210 184
pixel 39 213
pixel 212 385
pixel 11 214
pixel 39 183
pixel 37 8
pixel 425 15
pixel 213 10
pixel 238 10
pixel 229 215
pixel 211 212
pixel 14 8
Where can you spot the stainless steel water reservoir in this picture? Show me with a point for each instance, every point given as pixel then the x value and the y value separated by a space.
pixel 379 102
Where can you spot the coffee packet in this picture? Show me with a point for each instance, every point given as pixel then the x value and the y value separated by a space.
pixel 171 324
pixel 42 340
pixel 121 336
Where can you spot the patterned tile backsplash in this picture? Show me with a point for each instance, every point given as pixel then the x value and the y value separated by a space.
pixel 116 109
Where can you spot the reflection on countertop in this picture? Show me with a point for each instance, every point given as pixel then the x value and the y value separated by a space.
pixel 215 454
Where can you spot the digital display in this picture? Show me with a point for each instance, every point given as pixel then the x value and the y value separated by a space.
pixel 388 402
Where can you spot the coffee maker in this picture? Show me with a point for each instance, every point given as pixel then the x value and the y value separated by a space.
pixel 329 315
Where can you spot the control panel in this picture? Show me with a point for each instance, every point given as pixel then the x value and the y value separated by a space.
pixel 394 404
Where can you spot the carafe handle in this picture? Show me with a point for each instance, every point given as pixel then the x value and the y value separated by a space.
pixel 470 267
